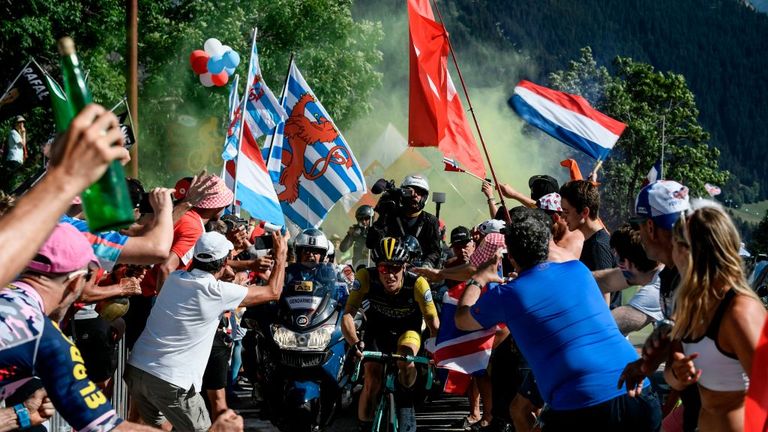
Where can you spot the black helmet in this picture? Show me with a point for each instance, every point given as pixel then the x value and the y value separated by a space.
pixel 364 211
pixel 413 247
pixel 391 249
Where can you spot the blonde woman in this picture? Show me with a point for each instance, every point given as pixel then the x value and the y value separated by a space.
pixel 718 318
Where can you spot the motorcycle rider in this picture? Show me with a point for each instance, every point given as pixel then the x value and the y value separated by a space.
pixel 399 302
pixel 409 218
pixel 356 236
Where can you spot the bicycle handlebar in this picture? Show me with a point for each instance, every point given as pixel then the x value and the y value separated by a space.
pixel 384 357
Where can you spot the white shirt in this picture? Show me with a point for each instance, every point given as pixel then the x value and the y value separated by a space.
pixel 177 340
pixel 15 148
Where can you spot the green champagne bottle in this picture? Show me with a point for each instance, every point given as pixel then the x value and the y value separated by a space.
pixel 106 203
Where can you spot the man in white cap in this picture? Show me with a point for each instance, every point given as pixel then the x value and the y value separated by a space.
pixel 165 371
pixel 657 207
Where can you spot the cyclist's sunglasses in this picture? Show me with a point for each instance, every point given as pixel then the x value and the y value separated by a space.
pixel 389 268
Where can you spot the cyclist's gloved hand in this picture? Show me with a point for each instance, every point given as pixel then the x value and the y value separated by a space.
pixel 359 347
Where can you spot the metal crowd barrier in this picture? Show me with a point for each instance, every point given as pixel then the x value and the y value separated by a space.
pixel 119 392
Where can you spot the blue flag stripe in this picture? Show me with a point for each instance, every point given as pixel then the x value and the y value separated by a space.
pixel 561 134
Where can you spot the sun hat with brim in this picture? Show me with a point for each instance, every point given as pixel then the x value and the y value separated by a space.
pixel 489 246
pixel 663 202
pixel 212 246
pixel 221 197
pixel 66 250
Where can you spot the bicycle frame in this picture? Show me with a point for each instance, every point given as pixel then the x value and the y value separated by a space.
pixel 387 397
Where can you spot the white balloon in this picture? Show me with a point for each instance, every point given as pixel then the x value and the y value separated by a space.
pixel 213 47
pixel 206 80
pixel 226 48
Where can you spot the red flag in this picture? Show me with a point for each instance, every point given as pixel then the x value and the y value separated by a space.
pixel 756 403
pixel 435 114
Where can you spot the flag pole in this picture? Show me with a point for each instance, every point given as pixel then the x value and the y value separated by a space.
pixel 19 75
pixel 246 91
pixel 472 111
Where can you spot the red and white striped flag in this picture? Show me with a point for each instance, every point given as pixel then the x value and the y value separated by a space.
pixel 452 165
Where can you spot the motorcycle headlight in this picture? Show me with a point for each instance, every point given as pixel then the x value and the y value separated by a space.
pixel 314 340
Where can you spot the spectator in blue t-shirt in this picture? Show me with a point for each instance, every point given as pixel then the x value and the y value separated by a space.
pixel 563 327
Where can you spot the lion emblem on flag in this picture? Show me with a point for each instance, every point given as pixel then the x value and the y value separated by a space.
pixel 301 132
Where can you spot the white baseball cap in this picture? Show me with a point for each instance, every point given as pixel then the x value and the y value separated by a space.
pixel 491 226
pixel 661 201
pixel 212 246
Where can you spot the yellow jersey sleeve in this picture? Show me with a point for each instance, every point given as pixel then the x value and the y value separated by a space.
pixel 359 288
pixel 423 296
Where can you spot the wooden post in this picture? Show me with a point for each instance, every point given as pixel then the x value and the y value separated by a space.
pixel 132 90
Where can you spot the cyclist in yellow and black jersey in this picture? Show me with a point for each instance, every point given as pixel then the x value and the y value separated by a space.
pixel 399 302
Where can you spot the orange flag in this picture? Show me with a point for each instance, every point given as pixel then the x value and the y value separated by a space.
pixel 573 169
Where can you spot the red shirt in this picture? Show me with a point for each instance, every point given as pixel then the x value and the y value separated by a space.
pixel 186 232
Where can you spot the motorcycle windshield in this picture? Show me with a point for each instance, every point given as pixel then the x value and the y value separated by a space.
pixel 307 304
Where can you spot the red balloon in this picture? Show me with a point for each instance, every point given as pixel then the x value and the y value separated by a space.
pixel 220 78
pixel 199 61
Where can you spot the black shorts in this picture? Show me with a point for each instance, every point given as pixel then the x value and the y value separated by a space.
pixel 389 341
pixel 529 389
pixel 217 369
pixel 622 413
pixel 93 337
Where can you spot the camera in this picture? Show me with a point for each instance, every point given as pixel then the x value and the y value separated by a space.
pixel 393 198
pixel 233 222
pixel 359 230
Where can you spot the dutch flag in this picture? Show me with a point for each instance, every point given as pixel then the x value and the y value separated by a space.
pixel 567 118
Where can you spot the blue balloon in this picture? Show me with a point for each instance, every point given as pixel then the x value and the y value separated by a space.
pixel 231 59
pixel 215 65
pixel 230 71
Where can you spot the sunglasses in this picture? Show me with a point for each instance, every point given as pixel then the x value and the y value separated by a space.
pixel 389 268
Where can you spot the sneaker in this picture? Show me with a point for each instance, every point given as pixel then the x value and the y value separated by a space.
pixel 464 424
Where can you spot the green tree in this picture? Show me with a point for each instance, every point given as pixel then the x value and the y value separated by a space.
pixel 181 122
pixel 660 113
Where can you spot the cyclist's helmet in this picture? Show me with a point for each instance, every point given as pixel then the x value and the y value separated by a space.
pixel 391 250
pixel 417 182
pixel 363 212
pixel 311 238
pixel 413 247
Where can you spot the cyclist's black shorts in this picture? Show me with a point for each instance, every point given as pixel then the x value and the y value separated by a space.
pixel 389 340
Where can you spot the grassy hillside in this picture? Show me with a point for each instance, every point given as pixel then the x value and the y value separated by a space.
pixel 752 213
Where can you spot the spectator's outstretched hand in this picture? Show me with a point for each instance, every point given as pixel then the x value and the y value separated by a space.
pixel 160 200
pixel 39 406
pixel 200 188
pixel 228 421
pixel 487 189
pixel 633 376
pixel 427 273
pixel 280 244
pixel 92 141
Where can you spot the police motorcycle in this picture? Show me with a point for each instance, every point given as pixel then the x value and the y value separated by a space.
pixel 300 361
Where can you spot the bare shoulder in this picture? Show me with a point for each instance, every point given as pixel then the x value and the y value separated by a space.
pixel 745 315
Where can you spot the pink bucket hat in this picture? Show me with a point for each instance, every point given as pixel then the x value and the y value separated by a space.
pixel 222 196
pixel 490 245
pixel 65 251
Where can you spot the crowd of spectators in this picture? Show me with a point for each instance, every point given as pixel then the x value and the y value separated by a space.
pixel 547 276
